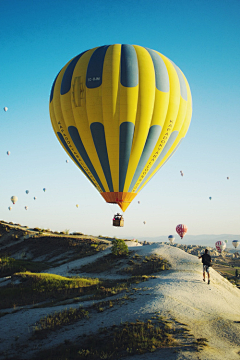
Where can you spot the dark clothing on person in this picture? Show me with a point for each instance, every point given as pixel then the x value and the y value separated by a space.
pixel 206 259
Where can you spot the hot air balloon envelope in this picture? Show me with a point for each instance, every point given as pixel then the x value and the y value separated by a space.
pixel 235 243
pixel 8 153
pixel 120 111
pixel 171 238
pixel 181 229
pixel 14 199
pixel 5 109
pixel 220 246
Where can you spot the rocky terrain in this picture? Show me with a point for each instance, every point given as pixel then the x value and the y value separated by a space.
pixel 64 296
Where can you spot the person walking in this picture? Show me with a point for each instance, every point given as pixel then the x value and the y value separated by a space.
pixel 206 260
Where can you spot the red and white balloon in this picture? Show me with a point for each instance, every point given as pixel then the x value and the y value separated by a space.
pixel 181 229
pixel 220 246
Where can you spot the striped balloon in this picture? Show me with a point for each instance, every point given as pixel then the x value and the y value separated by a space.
pixel 220 246
pixel 120 111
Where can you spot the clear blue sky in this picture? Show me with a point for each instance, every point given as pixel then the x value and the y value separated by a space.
pixel 201 37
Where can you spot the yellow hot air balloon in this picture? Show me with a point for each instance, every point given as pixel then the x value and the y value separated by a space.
pixel 14 199
pixel 120 111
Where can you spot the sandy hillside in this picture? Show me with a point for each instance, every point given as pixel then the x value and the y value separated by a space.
pixel 210 311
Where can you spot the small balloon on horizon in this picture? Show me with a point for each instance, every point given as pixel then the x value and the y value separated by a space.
pixel 171 238
pixel 220 246
pixel 235 243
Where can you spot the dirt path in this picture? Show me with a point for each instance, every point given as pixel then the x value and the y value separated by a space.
pixel 210 311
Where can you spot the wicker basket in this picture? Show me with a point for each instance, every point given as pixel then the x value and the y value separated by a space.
pixel 118 222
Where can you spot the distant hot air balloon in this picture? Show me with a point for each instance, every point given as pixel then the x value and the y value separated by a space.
pixel 120 112
pixel 9 208
pixel 67 161
pixel 8 153
pixel 220 246
pixel 210 198
pixel 235 243
pixel 226 241
pixel 27 191
pixel 181 229
pixel 5 109
pixel 77 205
pixel 228 178
pixel 181 173
pixel 34 198
pixel 26 207
pixel 144 222
pixel 44 189
pixel 14 199
pixel 171 238
pixel 138 202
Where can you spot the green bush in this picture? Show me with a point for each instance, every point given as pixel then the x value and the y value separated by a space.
pixel 119 248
